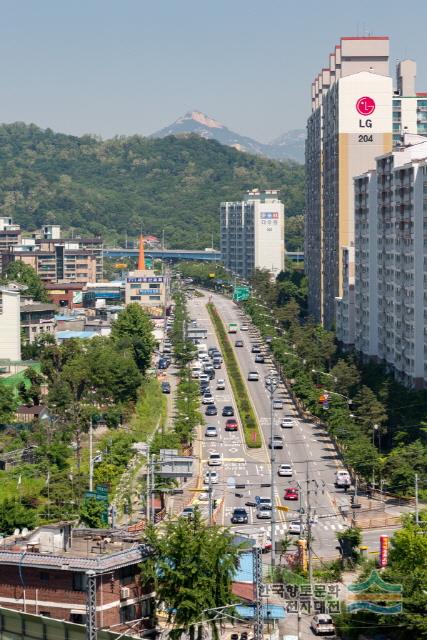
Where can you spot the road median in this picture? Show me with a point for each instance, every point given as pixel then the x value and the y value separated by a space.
pixel 246 411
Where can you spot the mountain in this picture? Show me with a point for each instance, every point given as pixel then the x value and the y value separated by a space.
pixel 289 146
pixel 112 187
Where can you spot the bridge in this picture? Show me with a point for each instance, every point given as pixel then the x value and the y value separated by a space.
pixel 184 254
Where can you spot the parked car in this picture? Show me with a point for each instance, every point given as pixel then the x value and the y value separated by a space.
pixel 276 442
pixel 215 459
pixel 291 494
pixel 253 376
pixel 238 343
pixel 285 471
pixel 211 410
pixel 259 358
pixel 166 388
pixel 228 410
pixel 244 327
pixel 211 431
pixel 239 516
pixel 322 625
pixel 220 384
pixel 287 423
pixel 256 348
pixel 231 425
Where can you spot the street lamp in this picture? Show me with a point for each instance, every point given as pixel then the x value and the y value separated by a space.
pixel 272 384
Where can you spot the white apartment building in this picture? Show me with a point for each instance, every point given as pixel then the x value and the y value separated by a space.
pixel 345 304
pixel 10 324
pixel 409 107
pixel 391 262
pixel 253 233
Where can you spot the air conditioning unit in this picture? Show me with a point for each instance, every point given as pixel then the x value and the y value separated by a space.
pixel 124 593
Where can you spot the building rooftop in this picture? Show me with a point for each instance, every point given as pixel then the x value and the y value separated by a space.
pixel 37 306
pixel 68 335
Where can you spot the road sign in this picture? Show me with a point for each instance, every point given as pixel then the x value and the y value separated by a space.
pixel 240 294
pixel 279 508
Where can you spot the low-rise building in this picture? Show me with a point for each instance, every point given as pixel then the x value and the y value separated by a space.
pixel 67 295
pixel 46 572
pixel 146 287
pixel 10 327
pixel 37 318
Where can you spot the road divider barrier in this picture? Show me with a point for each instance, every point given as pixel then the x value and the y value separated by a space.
pixel 243 402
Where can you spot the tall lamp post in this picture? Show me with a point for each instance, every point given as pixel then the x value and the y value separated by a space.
pixel 271 385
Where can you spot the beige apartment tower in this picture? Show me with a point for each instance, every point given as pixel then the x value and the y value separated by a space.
pixel 350 125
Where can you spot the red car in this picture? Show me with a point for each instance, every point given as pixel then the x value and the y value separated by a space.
pixel 231 425
pixel 291 494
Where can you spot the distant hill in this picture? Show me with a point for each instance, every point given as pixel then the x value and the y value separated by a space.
pixel 111 187
pixel 288 146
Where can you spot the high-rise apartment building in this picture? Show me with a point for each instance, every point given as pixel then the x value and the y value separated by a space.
pixel 350 124
pixel 391 262
pixel 10 327
pixel 409 107
pixel 253 233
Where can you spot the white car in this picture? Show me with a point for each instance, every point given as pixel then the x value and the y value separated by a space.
pixel 220 384
pixel 208 399
pixel 287 423
pixel 322 625
pixel 188 512
pixel 285 470
pixel 263 500
pixel 215 459
pixel 203 376
pixel 211 431
pixel 295 526
pixel 277 404
pixel 212 475
pixel 263 512
pixel 244 327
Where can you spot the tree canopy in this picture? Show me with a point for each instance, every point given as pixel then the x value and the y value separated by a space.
pixel 24 274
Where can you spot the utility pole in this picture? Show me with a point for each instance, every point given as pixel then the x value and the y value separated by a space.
pixel 210 499
pixel 91 631
pixel 354 516
pixel 148 512
pixel 90 455
pixel 417 512
pixel 153 486
pixel 259 620
pixel 271 385
pixel 309 550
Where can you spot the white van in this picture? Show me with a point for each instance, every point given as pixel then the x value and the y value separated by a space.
pixel 202 349
pixel 342 478
pixel 196 370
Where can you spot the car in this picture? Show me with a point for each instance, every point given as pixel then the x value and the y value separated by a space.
pixel 216 354
pixel 287 423
pixel 215 459
pixel 244 327
pixel 253 376
pixel 238 343
pixel 211 374
pixel 211 350
pixel 239 516
pixel 211 476
pixel 167 349
pixel 322 625
pixel 166 387
pixel 263 511
pixel 228 410
pixel 285 470
pixel 291 494
pixel 263 500
pixel 188 512
pixel 211 410
pixel 256 349
pixel 277 404
pixel 208 367
pixel 220 384
pixel 203 376
pixel 295 526
pixel 217 363
pixel 276 442
pixel 208 399
pixel 231 425
pixel 259 358
pixel 211 431
pixel 342 478
pixel 163 364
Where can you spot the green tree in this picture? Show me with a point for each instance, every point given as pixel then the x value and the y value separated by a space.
pixel 369 410
pixel 14 515
pixel 133 328
pixel 22 273
pixel 347 377
pixel 8 403
pixel 91 513
pixel 401 465
pixel 192 570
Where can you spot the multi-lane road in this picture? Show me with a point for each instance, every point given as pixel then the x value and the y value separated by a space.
pixel 306 448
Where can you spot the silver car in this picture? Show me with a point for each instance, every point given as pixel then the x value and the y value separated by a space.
pixel 263 512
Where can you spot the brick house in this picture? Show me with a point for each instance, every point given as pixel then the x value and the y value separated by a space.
pixel 45 573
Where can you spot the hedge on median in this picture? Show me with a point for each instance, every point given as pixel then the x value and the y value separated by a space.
pixel 244 405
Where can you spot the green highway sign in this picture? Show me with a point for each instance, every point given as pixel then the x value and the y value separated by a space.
pixel 240 294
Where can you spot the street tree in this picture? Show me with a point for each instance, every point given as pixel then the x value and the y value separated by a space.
pixel 133 328
pixel 347 377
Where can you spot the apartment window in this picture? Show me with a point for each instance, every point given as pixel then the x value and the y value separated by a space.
pixel 127 575
pixel 79 582
pixel 127 614
pixel 44 577
pixel 78 618
pixel 135 297
pixel 154 297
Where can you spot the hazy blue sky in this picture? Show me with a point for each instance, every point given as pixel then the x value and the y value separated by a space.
pixel 133 66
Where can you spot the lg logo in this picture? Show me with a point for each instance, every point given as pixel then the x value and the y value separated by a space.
pixel 365 106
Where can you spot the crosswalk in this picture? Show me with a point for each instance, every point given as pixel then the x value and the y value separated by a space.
pixel 282 528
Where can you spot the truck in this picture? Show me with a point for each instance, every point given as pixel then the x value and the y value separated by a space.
pixel 232 327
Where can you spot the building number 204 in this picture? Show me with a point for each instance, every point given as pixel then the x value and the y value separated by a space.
pixel 364 137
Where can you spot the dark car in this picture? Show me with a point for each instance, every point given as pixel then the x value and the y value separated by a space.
pixel 228 410
pixel 256 349
pixel 238 343
pixel 211 350
pixel 259 358
pixel 239 516
pixel 211 410
pixel 231 425
pixel 211 374
pixel 166 388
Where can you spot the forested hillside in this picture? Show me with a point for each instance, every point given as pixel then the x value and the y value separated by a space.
pixel 110 187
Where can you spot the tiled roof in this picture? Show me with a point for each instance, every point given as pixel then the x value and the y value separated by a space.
pixel 101 564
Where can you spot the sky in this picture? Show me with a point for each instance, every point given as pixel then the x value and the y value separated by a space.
pixel 123 67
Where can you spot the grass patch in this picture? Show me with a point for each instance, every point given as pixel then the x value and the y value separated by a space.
pixel 244 405
pixel 150 410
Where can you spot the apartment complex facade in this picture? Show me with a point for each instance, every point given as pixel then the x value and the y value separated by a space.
pixel 356 117
pixel 390 312
pixel 10 327
pixel 253 233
